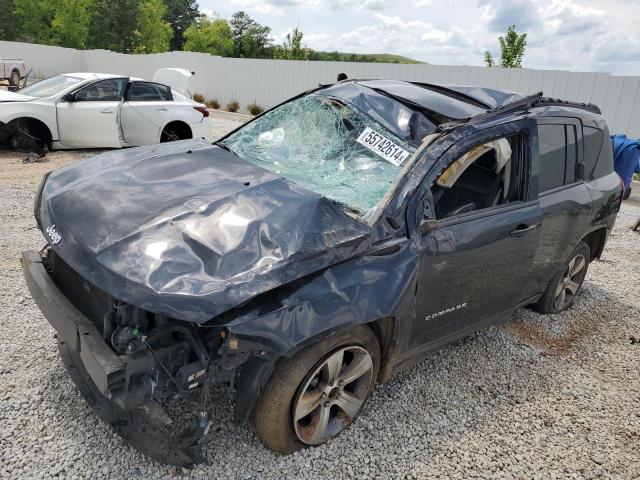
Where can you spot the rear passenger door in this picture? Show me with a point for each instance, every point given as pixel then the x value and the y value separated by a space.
pixel 145 112
pixel 562 194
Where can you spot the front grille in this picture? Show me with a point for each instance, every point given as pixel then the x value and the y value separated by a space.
pixel 89 299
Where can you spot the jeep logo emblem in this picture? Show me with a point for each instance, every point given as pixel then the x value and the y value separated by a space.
pixel 54 236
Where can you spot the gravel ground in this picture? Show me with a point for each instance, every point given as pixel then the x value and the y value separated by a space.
pixel 538 397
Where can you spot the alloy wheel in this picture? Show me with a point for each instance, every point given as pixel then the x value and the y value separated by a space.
pixel 570 281
pixel 332 394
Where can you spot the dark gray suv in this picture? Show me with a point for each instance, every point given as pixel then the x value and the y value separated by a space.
pixel 313 252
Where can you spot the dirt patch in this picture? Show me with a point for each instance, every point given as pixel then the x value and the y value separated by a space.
pixel 550 343
pixel 16 171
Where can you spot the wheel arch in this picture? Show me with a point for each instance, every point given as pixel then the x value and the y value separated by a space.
pixel 31 127
pixel 255 373
pixel 596 241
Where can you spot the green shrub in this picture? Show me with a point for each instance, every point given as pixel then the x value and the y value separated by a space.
pixel 255 109
pixel 198 97
pixel 212 103
pixel 233 106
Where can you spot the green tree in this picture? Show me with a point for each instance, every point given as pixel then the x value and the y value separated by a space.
pixel 291 48
pixel 250 39
pixel 34 18
pixel 212 36
pixel 113 25
pixel 70 24
pixel 153 33
pixel 9 23
pixel 488 59
pixel 512 47
pixel 181 14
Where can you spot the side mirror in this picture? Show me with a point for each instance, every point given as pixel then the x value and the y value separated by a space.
pixel 69 97
pixel 428 225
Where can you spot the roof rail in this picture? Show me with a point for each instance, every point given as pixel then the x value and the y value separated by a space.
pixel 530 101
pixel 565 103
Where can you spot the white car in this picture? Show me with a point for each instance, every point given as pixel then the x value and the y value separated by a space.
pixel 93 110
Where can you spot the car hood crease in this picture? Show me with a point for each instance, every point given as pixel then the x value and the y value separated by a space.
pixel 190 230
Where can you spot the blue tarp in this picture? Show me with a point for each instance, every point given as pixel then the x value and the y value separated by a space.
pixel 626 158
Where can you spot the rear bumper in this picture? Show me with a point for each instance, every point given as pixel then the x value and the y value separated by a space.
pixel 104 367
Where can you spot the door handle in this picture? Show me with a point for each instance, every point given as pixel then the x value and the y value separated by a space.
pixel 107 110
pixel 162 109
pixel 523 229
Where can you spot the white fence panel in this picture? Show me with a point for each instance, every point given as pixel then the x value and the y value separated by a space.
pixel 269 82
pixel 45 60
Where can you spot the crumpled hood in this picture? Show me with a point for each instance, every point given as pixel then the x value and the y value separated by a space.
pixel 190 230
pixel 6 96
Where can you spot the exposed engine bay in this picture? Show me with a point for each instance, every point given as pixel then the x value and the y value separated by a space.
pixel 154 359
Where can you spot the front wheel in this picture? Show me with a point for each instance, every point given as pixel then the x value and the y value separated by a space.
pixel 316 394
pixel 564 286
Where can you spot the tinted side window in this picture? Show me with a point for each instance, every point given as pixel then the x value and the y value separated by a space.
pixel 572 155
pixel 104 91
pixel 605 159
pixel 592 138
pixel 149 92
pixel 552 156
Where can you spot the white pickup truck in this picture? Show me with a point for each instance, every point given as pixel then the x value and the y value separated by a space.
pixel 12 69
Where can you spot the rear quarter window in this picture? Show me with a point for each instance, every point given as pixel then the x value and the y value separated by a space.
pixel 592 138
pixel 604 165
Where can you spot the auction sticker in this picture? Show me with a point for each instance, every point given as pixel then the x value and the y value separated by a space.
pixel 382 146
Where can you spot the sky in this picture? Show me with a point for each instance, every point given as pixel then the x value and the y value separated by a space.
pixel 562 34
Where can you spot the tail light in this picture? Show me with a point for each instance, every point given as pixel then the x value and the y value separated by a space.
pixel 202 110
pixel 621 189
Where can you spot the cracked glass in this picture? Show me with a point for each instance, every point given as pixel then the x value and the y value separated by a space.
pixel 326 146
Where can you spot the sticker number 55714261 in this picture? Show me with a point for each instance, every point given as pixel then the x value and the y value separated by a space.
pixel 382 146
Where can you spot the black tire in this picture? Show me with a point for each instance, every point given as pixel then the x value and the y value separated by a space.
pixel 273 415
pixel 551 302
pixel 138 427
pixel 14 79
pixel 170 135
pixel 175 131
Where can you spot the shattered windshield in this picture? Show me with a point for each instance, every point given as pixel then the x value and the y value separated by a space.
pixel 326 146
pixel 50 86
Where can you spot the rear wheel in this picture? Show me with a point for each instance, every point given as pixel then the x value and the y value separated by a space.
pixel 14 79
pixel 316 394
pixel 563 288
pixel 175 131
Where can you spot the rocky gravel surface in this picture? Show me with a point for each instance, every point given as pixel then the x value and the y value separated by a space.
pixel 538 397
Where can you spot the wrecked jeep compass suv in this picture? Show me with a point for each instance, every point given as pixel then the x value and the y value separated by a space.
pixel 313 252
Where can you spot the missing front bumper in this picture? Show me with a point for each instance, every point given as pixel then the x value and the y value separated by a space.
pixel 104 367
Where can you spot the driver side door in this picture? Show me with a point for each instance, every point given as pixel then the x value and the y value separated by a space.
pixel 476 264
pixel 90 116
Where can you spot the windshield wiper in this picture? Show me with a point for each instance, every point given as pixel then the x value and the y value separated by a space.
pixel 223 146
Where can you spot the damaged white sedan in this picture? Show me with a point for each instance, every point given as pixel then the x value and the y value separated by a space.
pixel 92 110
